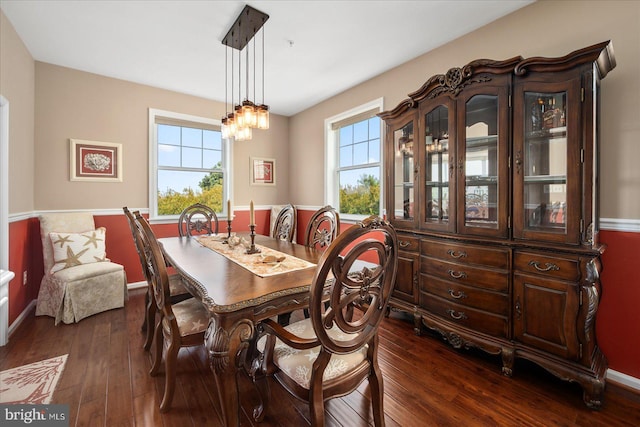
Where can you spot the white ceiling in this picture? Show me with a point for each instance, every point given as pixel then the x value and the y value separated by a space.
pixel 314 49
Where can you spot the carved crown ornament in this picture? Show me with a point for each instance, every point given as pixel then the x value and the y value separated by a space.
pixel 456 79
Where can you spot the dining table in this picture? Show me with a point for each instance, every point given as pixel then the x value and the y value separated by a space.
pixel 238 296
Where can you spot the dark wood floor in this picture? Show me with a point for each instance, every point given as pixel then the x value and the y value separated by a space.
pixel 106 382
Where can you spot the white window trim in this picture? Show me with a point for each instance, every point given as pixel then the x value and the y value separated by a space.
pixel 331 197
pixel 153 163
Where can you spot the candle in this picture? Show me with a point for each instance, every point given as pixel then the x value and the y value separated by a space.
pixel 252 215
pixel 229 211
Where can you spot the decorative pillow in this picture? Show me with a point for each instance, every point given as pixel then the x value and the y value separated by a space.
pixel 71 249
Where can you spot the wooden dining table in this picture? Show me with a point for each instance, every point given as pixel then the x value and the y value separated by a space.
pixel 237 300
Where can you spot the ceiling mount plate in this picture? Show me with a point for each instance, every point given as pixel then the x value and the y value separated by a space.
pixel 246 26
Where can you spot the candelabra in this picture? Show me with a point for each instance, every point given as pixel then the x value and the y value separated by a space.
pixel 253 249
pixel 226 241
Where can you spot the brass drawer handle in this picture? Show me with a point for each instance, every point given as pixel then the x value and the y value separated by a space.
pixel 549 266
pixel 459 254
pixel 457 275
pixel 457 315
pixel 404 244
pixel 457 295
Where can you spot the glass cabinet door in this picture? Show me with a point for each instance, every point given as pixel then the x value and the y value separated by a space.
pixel 547 164
pixel 483 164
pixel 404 172
pixel 438 173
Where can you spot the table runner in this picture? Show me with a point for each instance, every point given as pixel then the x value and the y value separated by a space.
pixel 268 262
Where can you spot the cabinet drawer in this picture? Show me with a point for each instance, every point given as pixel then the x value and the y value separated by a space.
pixel 493 302
pixel 548 265
pixel 495 280
pixel 408 243
pixel 477 320
pixel 469 254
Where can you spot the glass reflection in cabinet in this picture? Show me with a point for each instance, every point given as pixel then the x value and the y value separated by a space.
pixel 404 173
pixel 437 162
pixel 481 161
pixel 545 161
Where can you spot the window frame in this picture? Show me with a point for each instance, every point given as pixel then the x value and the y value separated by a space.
pixel 188 119
pixel 332 155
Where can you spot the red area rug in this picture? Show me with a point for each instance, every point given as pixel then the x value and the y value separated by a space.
pixel 33 383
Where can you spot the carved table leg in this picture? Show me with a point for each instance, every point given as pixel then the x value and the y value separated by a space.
pixel 225 339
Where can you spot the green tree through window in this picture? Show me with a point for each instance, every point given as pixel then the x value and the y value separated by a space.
pixel 363 198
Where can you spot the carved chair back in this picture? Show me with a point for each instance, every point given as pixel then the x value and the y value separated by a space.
pixel 285 225
pixel 197 219
pixel 323 228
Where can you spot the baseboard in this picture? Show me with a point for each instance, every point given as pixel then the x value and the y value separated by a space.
pixel 21 317
pixel 624 380
pixel 136 285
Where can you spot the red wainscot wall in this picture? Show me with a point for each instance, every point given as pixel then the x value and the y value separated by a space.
pixel 618 318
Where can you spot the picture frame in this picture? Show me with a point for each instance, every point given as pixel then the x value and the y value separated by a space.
pixel 263 171
pixel 95 161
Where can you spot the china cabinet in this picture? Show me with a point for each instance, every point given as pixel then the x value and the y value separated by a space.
pixel 492 184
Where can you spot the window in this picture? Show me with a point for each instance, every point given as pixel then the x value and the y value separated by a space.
pixel 353 157
pixel 189 163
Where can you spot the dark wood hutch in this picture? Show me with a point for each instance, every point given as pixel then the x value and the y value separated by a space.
pixel 492 184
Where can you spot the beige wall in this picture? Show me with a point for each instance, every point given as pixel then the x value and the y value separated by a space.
pixel 17 86
pixel 79 105
pixel 544 28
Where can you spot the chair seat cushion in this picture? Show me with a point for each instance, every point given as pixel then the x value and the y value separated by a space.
pixel 297 364
pixel 191 316
pixel 176 285
pixel 86 271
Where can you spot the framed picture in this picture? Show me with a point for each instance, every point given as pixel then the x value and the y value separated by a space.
pixel 263 171
pixel 95 161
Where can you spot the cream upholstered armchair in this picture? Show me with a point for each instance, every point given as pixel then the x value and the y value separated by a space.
pixel 79 280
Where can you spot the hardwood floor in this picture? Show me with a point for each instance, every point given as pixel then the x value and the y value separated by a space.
pixel 427 383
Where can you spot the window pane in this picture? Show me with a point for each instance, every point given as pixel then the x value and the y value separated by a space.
pixel 168 155
pixel 346 135
pixel 212 140
pixel 360 191
pixel 374 127
pixel 360 131
pixel 179 189
pixel 346 156
pixel 360 153
pixel 211 159
pixel 168 134
pixel 191 137
pixel 191 157
pixel 374 151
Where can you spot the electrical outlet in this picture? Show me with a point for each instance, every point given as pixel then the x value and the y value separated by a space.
pixel 24 277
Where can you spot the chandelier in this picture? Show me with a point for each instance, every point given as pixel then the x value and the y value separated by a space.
pixel 246 114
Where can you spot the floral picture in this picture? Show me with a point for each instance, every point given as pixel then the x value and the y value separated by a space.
pixel 95 161
pixel 263 171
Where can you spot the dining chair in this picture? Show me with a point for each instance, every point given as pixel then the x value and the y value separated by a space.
pixel 323 228
pixel 332 352
pixel 176 287
pixel 197 219
pixel 181 325
pixel 284 227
